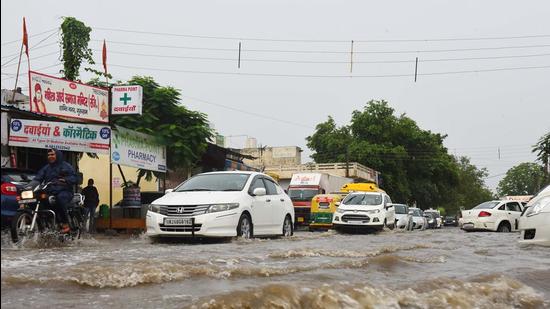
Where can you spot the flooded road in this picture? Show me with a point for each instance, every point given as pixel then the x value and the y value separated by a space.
pixel 422 269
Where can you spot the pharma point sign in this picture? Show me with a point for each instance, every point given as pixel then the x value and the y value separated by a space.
pixel 126 100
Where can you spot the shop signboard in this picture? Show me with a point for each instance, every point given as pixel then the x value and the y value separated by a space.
pixel 60 97
pixel 64 136
pixel 131 148
pixel 126 100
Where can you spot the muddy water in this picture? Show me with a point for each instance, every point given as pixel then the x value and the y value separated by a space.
pixel 423 269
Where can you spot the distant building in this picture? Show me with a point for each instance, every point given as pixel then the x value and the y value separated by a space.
pixel 273 156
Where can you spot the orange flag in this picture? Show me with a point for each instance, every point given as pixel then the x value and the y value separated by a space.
pixel 25 38
pixel 105 56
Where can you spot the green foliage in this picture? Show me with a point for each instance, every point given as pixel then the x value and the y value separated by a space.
pixel 523 179
pixel 414 164
pixel 442 212
pixel 184 132
pixel 542 149
pixel 470 189
pixel 75 36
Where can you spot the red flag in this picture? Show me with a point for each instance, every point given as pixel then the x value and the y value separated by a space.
pixel 25 38
pixel 105 56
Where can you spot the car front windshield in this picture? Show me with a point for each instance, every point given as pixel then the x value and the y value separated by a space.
pixel 302 194
pixel 363 199
pixel 214 182
pixel 400 209
pixel 486 205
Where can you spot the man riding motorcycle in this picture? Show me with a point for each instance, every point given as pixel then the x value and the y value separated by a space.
pixel 63 178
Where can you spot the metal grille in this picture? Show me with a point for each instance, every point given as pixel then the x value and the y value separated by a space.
pixel 180 228
pixel 183 210
pixel 358 217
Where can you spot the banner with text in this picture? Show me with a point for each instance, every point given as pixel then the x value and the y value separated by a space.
pixel 136 149
pixel 126 100
pixel 59 135
pixel 60 97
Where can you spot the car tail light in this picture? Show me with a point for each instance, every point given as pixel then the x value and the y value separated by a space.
pixel 484 214
pixel 9 189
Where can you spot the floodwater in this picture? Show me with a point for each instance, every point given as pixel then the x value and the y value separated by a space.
pixel 445 268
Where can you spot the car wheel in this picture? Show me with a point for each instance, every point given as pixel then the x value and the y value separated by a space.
pixel 244 228
pixel 390 226
pixel 503 227
pixel 287 227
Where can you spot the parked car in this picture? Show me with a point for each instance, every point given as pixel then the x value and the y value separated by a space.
pixel 419 222
pixel 431 219
pixel 534 223
pixel 13 179
pixel 364 211
pixel 450 221
pixel 438 221
pixel 498 216
pixel 222 204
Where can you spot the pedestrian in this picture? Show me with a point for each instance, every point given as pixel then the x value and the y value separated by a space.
pixel 91 200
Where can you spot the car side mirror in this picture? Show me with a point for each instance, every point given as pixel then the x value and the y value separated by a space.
pixel 388 205
pixel 337 203
pixel 259 192
pixel 168 191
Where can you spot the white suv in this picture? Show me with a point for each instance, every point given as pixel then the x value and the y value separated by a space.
pixel 498 216
pixel 222 204
pixel 365 210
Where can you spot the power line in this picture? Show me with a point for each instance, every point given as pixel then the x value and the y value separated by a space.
pixel 322 40
pixel 330 76
pixel 34 48
pixel 33 58
pixel 328 51
pixel 31 36
pixel 320 62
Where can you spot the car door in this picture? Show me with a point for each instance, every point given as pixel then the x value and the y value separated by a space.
pixel 260 207
pixel 276 203
pixel 390 210
pixel 513 211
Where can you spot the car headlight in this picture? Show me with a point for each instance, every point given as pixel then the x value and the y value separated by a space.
pixel 27 195
pixel 538 206
pixel 431 221
pixel 154 208
pixel 339 210
pixel 222 207
pixel 373 211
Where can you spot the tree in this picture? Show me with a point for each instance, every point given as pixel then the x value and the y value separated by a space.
pixel 523 179
pixel 415 165
pixel 75 36
pixel 470 189
pixel 542 149
pixel 184 132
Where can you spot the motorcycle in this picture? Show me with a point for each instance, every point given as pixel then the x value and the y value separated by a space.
pixel 36 215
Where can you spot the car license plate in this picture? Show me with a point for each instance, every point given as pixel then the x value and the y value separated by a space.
pixel 28 201
pixel 355 222
pixel 177 221
pixel 468 226
pixel 300 219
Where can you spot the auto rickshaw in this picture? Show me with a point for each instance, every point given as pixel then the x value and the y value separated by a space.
pixel 323 207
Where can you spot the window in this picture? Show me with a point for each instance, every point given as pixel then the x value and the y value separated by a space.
pixel 513 206
pixel 387 199
pixel 486 205
pixel 501 207
pixel 214 182
pixel 271 187
pixel 256 183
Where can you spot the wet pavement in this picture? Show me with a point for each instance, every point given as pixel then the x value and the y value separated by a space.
pixel 445 268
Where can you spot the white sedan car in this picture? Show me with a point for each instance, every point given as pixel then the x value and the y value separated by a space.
pixel 419 222
pixel 534 224
pixel 365 211
pixel 497 216
pixel 222 204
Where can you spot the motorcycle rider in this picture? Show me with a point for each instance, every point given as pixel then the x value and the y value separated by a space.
pixel 63 178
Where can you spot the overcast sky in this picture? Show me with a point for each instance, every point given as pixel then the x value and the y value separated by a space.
pixel 295 63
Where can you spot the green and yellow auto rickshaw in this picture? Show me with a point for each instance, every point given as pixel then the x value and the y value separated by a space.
pixel 323 207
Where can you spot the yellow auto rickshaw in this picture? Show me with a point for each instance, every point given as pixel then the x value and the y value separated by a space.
pixel 323 207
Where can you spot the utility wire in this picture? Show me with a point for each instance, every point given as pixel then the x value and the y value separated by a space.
pixel 321 62
pixel 32 58
pixel 322 40
pixel 31 36
pixel 328 51
pixel 330 76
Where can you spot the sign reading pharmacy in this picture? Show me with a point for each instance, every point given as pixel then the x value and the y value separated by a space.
pixel 59 135
pixel 126 100
pixel 50 95
pixel 138 150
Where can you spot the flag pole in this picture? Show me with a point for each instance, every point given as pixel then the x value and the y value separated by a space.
pixel 25 40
